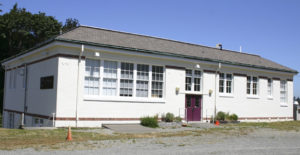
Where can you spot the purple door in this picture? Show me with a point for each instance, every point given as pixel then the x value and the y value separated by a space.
pixel 193 107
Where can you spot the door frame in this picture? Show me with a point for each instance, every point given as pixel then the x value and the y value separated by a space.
pixel 201 107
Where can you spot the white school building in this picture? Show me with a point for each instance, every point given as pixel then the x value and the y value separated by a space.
pixel 91 76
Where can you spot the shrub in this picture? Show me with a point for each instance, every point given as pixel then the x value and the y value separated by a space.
pixel 220 116
pixel 149 121
pixel 228 117
pixel 169 117
pixel 177 119
pixel 234 117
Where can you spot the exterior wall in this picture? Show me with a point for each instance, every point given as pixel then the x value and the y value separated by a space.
pixel 70 104
pixel 39 102
pixel 94 111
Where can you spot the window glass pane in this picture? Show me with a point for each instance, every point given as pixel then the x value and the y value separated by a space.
pixel 248 85
pixel 92 77
pixel 197 84
pixel 283 92
pixel 197 73
pixel 188 83
pixel 126 82
pixel 157 82
pixel 142 80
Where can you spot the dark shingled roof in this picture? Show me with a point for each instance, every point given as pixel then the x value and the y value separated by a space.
pixel 109 38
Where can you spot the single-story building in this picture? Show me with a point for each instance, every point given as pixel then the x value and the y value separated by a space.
pixel 91 76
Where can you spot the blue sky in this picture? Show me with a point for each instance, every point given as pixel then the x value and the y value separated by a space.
pixel 269 28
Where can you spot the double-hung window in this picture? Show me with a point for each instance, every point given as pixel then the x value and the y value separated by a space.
pixel 142 81
pixel 188 80
pixel 157 81
pixel 270 87
pixel 126 82
pixel 225 83
pixel 283 91
pixel 92 76
pixel 110 71
pixel 252 85
pixel 192 80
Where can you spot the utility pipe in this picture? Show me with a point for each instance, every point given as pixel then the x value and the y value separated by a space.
pixel 78 75
pixel 215 106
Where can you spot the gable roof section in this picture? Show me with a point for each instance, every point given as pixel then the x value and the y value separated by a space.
pixel 141 43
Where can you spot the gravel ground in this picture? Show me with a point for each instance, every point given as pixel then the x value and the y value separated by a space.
pixel 259 141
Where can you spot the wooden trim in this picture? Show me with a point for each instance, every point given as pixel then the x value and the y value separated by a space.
pixel 50 57
pixel 210 71
pixel 289 80
pixel 240 74
pixel 263 77
pixel 276 78
pixel 175 67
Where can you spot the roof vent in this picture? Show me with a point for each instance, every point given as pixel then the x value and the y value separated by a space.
pixel 219 46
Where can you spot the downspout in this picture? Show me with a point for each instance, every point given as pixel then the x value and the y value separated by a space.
pixel 3 106
pixel 25 96
pixel 215 106
pixel 78 75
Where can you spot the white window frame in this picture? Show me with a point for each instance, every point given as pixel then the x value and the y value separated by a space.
pixel 162 81
pixel 134 97
pixel 225 86
pixel 128 87
pixel 251 86
pixel 193 77
pixel 142 80
pixel 285 91
pixel 104 88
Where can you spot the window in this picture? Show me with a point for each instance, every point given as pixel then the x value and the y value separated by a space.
pixel 188 80
pixel 225 83
pixel 92 76
pixel 192 81
pixel 110 78
pixel 252 85
pixel 142 80
pixel 126 82
pixel 270 87
pixel 157 81
pixel 197 80
pixel 46 82
pixel 283 92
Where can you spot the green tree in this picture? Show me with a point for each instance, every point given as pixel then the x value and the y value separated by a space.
pixel 21 30
pixel 70 24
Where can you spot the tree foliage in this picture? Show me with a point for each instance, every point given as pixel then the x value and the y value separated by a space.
pixel 21 30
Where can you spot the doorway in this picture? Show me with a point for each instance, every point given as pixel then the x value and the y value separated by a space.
pixel 193 107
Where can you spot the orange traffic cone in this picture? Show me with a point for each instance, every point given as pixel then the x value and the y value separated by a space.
pixel 69 136
pixel 217 123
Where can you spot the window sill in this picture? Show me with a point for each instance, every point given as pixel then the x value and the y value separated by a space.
pixel 124 99
pixel 253 97
pixel 270 98
pixel 226 95
pixel 283 105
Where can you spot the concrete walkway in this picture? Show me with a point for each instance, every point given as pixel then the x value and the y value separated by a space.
pixel 128 128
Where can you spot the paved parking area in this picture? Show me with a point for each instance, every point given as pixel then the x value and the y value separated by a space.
pixel 129 128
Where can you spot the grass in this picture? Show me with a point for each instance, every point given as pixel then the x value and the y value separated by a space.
pixel 55 139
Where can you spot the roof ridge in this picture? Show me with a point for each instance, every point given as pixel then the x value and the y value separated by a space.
pixel 225 50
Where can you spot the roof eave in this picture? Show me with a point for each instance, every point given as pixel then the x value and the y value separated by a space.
pixel 176 55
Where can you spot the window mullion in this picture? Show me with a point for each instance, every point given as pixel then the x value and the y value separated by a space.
pixel 150 82
pixel 118 78
pixel 193 80
pixel 134 80
pixel 101 77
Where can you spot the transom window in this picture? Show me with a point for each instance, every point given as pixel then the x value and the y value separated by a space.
pixel 225 83
pixel 157 81
pixel 270 87
pixel 283 91
pixel 252 85
pixel 193 80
